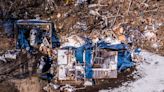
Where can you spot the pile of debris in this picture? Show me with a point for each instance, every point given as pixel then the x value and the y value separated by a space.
pixel 90 40
pixel 74 60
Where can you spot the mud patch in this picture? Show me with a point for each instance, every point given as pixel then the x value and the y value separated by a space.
pixel 32 84
pixel 8 87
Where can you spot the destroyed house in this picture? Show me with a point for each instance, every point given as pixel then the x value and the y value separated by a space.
pixel 78 58
pixel 86 62
pixel 34 33
pixel 96 64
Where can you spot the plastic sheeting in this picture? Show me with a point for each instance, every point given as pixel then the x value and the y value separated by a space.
pixel 87 49
pixel 137 51
pixel 22 40
pixel 88 60
pixel 124 60
pixel 124 56
pixel 79 54
pixel 88 66
pixel 79 51
pixel 117 47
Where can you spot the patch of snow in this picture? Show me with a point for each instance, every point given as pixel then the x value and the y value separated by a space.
pixel 152 76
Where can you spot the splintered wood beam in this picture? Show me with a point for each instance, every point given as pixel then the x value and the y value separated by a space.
pixel 130 3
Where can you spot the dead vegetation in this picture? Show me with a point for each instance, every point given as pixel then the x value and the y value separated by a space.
pixel 105 15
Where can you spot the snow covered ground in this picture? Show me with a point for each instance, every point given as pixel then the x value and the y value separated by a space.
pixel 152 72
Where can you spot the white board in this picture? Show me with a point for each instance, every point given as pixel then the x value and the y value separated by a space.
pixel 62 57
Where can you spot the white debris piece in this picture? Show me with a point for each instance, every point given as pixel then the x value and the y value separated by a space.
pixel 81 26
pixel 93 5
pixel 46 88
pixel 79 2
pixel 10 54
pixel 33 36
pixel 45 42
pixel 68 88
pixel 73 41
pixel 62 57
pixel 54 86
pixel 42 63
pixel 113 65
pixel 95 40
pixel 2 58
pixel 155 45
pixel 149 35
pixel 88 83
pixel 137 57
pixel 62 73
pixel 111 40
pixel 94 13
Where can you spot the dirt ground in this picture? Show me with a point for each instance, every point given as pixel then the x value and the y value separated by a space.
pixel 8 87
pixel 32 84
pixel 5 42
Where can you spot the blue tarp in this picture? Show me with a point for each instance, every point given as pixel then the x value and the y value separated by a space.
pixel 24 43
pixel 22 40
pixel 124 56
pixel 88 57
pixel 124 60
pixel 79 51
pixel 137 51
pixel 88 64
pixel 55 39
pixel 117 47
